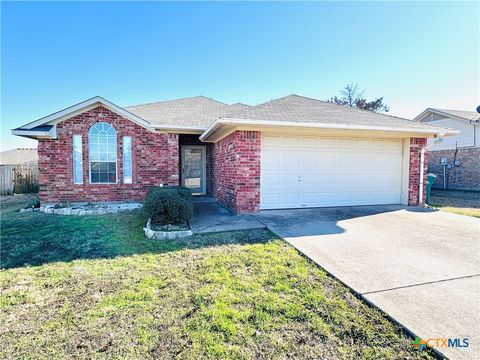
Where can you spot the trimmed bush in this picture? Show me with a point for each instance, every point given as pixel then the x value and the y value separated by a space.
pixel 33 202
pixel 169 205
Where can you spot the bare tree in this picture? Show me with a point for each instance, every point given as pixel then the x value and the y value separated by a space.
pixel 353 97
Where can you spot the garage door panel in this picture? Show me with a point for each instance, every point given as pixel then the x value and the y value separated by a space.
pixel 307 160
pixel 270 141
pixel 270 180
pixel 326 159
pixel 278 181
pixel 327 143
pixel 364 179
pixel 312 179
pixel 345 143
pixel 345 160
pixel 284 200
pixel 393 145
pixel 309 142
pixel 306 171
pixel 324 179
pixel 362 162
pixel 305 198
pixel 362 144
pixel 380 179
pixel 291 141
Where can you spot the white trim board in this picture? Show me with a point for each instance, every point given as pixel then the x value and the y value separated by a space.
pixel 83 106
pixel 263 124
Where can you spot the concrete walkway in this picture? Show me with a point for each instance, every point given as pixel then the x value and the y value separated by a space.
pixel 422 267
pixel 211 216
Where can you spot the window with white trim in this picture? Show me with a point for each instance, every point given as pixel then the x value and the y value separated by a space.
pixel 127 159
pixel 77 160
pixel 102 153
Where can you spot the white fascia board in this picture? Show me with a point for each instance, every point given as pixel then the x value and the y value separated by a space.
pixel 50 134
pixel 254 123
pixel 211 128
pixel 178 128
pixel 61 115
pixel 30 133
pixel 422 114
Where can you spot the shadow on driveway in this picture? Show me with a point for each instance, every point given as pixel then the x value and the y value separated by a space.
pixel 322 221
pixel 420 266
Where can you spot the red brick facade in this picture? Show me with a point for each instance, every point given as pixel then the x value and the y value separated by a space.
pixel 155 160
pixel 236 171
pixel 416 146
pixel 463 176
pixel 233 176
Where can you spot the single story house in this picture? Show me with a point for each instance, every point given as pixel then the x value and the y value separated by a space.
pixel 456 159
pixel 291 152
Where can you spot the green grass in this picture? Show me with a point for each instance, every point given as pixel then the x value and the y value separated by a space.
pixel 456 201
pixel 96 288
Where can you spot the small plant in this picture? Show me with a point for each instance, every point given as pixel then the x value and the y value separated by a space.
pixel 62 204
pixel 33 202
pixel 169 205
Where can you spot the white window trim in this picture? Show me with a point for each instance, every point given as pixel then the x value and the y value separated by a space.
pixel 130 180
pixel 90 162
pixel 81 159
pixel 102 183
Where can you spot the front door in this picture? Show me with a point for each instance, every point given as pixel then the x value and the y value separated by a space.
pixel 193 168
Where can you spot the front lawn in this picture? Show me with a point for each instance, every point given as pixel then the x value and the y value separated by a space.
pixel 456 201
pixel 96 288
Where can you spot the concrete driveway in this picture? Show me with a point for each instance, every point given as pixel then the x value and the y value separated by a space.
pixel 422 267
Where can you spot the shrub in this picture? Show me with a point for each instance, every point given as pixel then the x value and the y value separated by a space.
pixel 169 205
pixel 33 202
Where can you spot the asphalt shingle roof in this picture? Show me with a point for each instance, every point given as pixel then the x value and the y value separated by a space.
pixel 200 112
pixel 467 115
pixel 197 112
pixel 295 108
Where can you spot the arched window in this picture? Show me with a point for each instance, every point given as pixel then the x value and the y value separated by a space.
pixel 102 153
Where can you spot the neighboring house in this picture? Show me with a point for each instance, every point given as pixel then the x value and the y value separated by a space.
pixel 455 159
pixel 290 152
pixel 19 157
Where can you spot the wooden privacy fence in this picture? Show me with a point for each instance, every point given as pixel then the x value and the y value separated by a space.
pixel 18 179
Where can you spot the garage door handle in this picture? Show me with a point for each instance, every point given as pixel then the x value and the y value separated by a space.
pixel 299 178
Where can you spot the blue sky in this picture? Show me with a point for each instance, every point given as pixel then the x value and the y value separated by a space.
pixel 53 55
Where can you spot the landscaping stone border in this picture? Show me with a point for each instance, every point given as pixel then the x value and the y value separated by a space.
pixel 162 235
pixel 89 209
pixel 29 209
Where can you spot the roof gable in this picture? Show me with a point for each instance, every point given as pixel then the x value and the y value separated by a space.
pixel 80 108
pixel 455 114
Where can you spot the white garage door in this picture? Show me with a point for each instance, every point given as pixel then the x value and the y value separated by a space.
pixel 305 171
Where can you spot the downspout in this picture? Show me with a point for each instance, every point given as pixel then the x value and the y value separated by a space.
pixel 444 177
pixel 422 162
pixel 474 123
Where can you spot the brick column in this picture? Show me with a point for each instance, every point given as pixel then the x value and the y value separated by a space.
pixel 416 146
pixel 248 171
pixel 236 171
